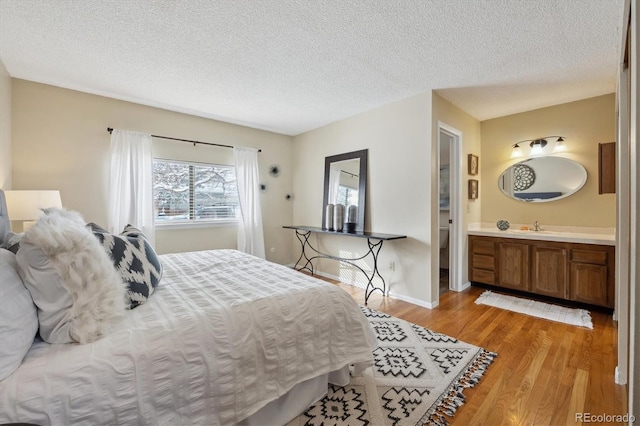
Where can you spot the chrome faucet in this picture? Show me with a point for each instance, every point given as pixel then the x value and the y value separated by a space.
pixel 536 226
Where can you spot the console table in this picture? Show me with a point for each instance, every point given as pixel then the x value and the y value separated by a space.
pixel 374 241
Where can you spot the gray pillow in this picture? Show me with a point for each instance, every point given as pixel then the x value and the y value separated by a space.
pixel 18 317
pixel 72 281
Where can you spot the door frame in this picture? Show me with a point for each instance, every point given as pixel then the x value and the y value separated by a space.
pixel 455 206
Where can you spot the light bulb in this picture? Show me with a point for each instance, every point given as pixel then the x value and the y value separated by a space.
pixel 560 146
pixel 517 152
pixel 536 148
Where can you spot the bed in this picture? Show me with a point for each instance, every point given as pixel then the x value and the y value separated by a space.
pixel 225 338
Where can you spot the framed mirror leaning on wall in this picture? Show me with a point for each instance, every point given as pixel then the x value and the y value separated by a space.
pixel 542 179
pixel 345 182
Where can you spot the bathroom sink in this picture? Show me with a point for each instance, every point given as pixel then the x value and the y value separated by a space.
pixel 525 231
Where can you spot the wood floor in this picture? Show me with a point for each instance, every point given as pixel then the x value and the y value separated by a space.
pixel 545 372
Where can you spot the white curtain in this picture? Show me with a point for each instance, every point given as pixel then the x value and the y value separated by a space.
pixel 131 183
pixel 334 183
pixel 250 232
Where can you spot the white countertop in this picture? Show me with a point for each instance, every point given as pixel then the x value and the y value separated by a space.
pixel 571 235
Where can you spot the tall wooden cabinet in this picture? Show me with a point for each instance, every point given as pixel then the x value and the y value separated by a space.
pixel 578 272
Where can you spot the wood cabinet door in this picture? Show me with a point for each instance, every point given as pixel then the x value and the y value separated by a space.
pixel 549 272
pixel 513 265
pixel 589 283
pixel 607 168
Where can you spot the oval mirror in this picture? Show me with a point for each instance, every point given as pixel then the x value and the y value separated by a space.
pixel 542 179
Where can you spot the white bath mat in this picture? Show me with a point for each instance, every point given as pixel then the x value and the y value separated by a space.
pixel 579 317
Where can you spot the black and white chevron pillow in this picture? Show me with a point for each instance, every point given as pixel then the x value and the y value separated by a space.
pixel 135 260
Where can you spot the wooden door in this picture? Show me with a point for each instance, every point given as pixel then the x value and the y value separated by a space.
pixel 607 168
pixel 589 283
pixel 513 265
pixel 549 274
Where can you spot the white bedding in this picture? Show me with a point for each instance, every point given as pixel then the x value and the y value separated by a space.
pixel 224 334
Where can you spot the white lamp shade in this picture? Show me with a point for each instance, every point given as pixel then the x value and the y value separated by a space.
pixel 516 152
pixel 560 146
pixel 536 149
pixel 28 205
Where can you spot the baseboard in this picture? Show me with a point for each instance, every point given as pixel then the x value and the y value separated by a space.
pixel 343 281
pixel 414 301
pixel 408 299
pixel 618 379
pixel 464 287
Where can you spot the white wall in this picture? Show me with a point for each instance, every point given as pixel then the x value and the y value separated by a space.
pixel 398 137
pixel 5 128
pixel 60 141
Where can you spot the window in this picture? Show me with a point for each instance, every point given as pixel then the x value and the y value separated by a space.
pixel 194 192
pixel 347 195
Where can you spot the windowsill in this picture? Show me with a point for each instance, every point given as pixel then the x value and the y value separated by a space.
pixel 199 224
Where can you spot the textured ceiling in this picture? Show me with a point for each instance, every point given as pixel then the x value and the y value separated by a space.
pixel 290 66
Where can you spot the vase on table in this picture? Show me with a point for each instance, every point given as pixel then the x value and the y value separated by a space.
pixel 352 214
pixel 328 217
pixel 338 217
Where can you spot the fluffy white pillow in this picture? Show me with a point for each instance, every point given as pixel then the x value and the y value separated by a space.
pixel 79 294
pixel 18 317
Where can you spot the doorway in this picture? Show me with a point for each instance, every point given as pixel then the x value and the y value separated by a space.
pixel 444 216
pixel 449 222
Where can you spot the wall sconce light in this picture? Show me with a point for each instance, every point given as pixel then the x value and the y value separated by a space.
pixel 517 151
pixel 537 146
pixel 26 206
pixel 560 145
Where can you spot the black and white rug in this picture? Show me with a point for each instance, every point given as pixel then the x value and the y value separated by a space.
pixel 418 378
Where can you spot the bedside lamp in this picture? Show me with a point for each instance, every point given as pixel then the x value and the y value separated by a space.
pixel 26 206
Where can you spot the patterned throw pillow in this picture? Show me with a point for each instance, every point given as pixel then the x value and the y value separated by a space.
pixel 135 260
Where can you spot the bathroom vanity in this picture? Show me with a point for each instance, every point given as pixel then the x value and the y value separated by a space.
pixel 575 267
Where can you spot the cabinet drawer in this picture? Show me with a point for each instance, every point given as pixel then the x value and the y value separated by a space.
pixel 588 256
pixel 482 276
pixel 483 247
pixel 483 262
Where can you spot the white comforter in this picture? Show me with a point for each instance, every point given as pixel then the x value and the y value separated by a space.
pixel 223 334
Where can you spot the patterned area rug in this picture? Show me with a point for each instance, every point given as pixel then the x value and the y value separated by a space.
pixel 579 317
pixel 418 378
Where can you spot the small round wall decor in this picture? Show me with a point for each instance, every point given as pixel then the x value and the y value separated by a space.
pixel 523 177
pixel 274 170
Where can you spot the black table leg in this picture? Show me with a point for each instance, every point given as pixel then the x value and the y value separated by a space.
pixel 374 250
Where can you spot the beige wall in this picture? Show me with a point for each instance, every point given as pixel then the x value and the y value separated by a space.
pixel 447 113
pixel 398 137
pixel 5 128
pixel 60 142
pixel 584 124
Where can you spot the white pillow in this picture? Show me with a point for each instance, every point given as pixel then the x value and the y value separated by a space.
pixel 79 294
pixel 18 317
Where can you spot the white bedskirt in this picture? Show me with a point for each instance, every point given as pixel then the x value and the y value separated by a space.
pixel 224 334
